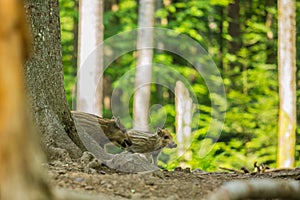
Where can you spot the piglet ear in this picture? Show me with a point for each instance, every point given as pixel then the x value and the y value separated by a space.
pixel 159 132
pixel 116 120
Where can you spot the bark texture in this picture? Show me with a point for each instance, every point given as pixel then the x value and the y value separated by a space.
pixel 287 83
pixel 44 76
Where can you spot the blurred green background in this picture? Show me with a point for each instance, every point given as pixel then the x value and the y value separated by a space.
pixel 245 50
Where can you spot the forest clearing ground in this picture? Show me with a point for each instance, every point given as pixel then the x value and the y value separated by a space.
pixel 177 184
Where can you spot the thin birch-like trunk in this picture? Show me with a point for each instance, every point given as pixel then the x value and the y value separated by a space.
pixel 90 57
pixel 144 65
pixel 184 114
pixel 287 83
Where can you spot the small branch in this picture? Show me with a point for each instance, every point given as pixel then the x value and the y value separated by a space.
pixel 257 188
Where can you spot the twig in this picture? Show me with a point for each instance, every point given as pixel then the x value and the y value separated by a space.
pixel 257 188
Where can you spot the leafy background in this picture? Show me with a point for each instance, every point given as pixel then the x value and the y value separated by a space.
pixel 243 48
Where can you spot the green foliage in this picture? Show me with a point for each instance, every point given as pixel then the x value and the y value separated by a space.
pixel 69 19
pixel 249 74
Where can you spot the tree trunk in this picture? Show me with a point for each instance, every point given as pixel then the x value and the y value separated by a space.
pixel 287 83
pixel 75 35
pixel 90 57
pixel 44 76
pixel 21 175
pixel 184 114
pixel 234 29
pixel 220 10
pixel 144 65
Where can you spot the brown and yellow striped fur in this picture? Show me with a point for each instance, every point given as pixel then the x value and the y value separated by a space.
pixel 150 143
pixel 102 130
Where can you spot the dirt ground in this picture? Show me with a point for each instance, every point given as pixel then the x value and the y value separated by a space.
pixel 171 185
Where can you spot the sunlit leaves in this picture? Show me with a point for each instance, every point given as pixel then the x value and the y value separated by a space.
pixel 249 75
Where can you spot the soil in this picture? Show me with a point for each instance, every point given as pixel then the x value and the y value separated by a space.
pixel 81 177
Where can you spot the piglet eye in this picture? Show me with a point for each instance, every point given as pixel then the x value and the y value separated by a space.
pixel 166 137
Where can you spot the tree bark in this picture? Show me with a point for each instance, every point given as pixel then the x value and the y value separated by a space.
pixel 21 174
pixel 90 57
pixel 287 83
pixel 44 78
pixel 144 65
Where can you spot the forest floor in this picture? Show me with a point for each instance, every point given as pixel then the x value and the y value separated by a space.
pixel 171 185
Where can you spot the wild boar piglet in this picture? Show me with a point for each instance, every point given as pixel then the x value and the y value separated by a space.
pixel 150 143
pixel 102 130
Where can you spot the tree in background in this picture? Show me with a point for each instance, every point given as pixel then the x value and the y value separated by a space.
pixel 234 28
pixel 90 57
pixel 250 73
pixel 144 64
pixel 287 82
pixel 184 114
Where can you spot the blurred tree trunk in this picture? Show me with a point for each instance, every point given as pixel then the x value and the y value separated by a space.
pixel 234 45
pixel 287 82
pixel 144 65
pixel 21 175
pixel 270 21
pixel 75 35
pixel 184 114
pixel 234 28
pixel 45 85
pixel 220 10
pixel 90 57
